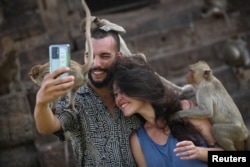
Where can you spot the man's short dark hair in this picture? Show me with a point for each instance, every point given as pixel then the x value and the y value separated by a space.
pixel 98 33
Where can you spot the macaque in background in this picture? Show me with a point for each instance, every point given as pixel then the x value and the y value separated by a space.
pixel 10 68
pixel 235 52
pixel 214 102
pixel 216 8
pixel 38 72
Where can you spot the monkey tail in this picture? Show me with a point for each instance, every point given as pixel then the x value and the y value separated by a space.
pixel 87 66
pixel 66 149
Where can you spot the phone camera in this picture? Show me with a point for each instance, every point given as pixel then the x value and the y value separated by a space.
pixel 55 53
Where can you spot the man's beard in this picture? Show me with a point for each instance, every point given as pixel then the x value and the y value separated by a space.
pixel 104 82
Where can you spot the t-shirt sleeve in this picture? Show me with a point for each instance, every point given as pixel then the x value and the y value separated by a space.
pixel 66 116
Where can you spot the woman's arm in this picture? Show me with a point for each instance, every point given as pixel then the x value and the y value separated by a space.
pixel 137 151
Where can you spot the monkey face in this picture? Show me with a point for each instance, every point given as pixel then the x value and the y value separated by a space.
pixel 103 24
pixel 198 72
pixel 38 72
pixel 33 74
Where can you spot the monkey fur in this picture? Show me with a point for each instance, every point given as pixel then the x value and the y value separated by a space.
pixel 235 52
pixel 214 102
pixel 103 24
pixel 38 72
pixel 107 26
pixel 89 47
pixel 217 9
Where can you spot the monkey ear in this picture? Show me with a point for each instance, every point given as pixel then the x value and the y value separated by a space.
pixel 34 72
pixel 207 74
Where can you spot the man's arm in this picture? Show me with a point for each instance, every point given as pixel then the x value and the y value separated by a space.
pixel 50 90
pixel 46 121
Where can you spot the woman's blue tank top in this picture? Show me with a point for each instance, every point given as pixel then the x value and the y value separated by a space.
pixel 163 155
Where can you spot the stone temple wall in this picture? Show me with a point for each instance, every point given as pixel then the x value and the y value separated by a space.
pixel 172 34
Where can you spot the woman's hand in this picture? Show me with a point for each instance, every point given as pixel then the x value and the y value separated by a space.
pixel 187 150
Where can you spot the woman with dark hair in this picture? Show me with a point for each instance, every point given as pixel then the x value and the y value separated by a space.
pixel 161 141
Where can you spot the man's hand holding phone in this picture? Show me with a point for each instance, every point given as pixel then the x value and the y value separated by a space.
pixel 51 88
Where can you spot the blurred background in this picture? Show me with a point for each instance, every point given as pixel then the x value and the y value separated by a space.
pixel 172 34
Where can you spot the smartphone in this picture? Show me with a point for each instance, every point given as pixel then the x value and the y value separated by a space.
pixel 59 56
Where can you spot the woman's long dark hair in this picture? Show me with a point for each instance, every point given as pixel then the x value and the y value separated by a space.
pixel 137 79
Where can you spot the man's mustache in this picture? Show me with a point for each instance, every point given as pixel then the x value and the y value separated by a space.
pixel 99 69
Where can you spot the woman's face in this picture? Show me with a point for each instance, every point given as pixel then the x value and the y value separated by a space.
pixel 128 105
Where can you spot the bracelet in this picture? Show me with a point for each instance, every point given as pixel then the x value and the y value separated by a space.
pixel 213 145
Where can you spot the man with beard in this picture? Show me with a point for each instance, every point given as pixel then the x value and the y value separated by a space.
pixel 99 132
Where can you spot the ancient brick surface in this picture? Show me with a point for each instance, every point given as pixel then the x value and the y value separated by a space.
pixel 171 33
pixel 56 150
